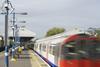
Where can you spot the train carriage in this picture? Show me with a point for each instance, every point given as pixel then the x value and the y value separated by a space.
pixel 71 49
pixel 1 43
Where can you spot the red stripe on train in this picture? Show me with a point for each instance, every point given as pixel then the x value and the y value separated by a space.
pixel 79 63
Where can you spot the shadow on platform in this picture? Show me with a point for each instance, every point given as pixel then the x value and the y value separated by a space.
pixel 21 57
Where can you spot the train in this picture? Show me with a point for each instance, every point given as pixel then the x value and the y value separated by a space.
pixel 1 43
pixel 2 46
pixel 70 49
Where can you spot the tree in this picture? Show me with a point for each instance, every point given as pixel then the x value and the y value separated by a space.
pixel 54 31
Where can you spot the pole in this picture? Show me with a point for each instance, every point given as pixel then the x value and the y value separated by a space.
pixel 6 35
pixel 16 35
pixel 13 46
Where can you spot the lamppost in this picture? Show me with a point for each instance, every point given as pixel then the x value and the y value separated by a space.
pixel 6 34
pixel 7 6
pixel 14 28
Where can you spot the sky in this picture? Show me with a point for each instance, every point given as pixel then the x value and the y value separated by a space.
pixel 46 14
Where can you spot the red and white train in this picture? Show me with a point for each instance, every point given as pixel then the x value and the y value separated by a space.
pixel 72 49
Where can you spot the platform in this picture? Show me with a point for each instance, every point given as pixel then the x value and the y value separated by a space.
pixel 27 59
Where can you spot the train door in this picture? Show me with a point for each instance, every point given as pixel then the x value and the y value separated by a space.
pixel 39 48
pixel 69 55
pixel 56 53
pixel 83 50
pixel 47 49
pixel 72 55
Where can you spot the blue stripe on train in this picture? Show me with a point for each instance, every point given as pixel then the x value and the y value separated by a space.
pixel 46 60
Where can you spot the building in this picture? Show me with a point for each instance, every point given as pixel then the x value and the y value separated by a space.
pixel 23 36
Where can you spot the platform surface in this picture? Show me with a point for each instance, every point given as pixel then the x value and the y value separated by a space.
pixel 27 59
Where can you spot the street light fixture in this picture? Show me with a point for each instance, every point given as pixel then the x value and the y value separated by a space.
pixel 22 13
pixel 22 21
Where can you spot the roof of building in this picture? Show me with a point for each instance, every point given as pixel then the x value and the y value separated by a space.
pixel 23 32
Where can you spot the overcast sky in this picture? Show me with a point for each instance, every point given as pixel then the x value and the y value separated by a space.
pixel 45 14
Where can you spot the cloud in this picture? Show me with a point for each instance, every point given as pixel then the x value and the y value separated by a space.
pixel 44 14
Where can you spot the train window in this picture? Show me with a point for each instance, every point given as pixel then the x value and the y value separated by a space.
pixel 89 49
pixel 40 47
pixel 52 49
pixel 70 47
pixel 83 48
pixel 35 46
pixel 44 47
pixel 97 45
pixel 69 50
pixel 96 50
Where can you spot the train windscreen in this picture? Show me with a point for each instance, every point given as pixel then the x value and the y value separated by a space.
pixel 89 49
pixel 83 48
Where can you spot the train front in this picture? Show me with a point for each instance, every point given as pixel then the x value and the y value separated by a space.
pixel 80 51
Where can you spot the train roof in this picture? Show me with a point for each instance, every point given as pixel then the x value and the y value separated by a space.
pixel 62 35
